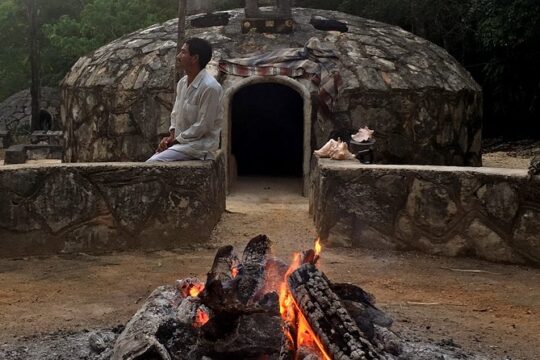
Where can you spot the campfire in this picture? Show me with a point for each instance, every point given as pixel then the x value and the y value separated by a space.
pixel 259 307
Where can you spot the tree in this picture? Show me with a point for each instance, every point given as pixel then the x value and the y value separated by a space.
pixel 508 36
pixel 102 21
pixel 31 10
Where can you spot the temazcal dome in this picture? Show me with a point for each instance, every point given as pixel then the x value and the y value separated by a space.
pixel 424 107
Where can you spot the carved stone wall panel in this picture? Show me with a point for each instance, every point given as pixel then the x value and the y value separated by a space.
pixel 452 211
pixel 100 207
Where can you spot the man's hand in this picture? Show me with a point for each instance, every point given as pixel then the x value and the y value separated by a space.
pixel 166 142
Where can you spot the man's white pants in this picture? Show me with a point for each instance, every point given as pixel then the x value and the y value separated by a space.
pixel 169 155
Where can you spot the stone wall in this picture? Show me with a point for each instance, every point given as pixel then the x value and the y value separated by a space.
pixel 493 214
pixel 98 208
pixel 415 127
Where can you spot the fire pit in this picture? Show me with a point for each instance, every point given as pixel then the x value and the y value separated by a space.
pixel 258 307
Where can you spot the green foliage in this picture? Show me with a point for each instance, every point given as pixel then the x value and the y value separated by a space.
pixel 102 21
pixel 498 41
pixel 14 66
pixel 508 37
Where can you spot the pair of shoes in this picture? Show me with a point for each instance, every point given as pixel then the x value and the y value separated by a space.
pixel 363 134
pixel 336 150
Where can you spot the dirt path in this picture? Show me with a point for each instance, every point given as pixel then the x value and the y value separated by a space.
pixel 486 308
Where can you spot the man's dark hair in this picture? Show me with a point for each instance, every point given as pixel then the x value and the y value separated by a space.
pixel 201 47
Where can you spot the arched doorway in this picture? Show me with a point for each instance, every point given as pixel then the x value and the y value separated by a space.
pixel 45 120
pixel 267 137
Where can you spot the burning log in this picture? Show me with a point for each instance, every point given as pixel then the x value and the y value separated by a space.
pixel 334 329
pixel 225 293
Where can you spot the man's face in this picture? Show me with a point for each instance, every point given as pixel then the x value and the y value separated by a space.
pixel 185 59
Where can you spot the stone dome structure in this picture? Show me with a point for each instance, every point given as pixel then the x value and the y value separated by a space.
pixel 16 111
pixel 424 106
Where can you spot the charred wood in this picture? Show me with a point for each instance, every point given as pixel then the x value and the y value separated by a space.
pixel 138 340
pixel 220 291
pixel 309 257
pixel 288 346
pixel 250 276
pixel 180 340
pixel 361 307
pixel 222 266
pixel 253 336
pixel 274 274
pixel 325 313
pixel 257 250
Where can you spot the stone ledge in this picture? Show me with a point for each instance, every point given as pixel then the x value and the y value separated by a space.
pixel 18 154
pixel 103 207
pixel 490 213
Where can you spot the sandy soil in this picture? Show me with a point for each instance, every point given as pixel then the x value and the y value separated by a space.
pixel 491 309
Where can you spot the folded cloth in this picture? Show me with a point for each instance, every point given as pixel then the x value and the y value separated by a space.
pixel 312 61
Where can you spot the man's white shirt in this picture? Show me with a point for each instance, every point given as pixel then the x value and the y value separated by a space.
pixel 196 116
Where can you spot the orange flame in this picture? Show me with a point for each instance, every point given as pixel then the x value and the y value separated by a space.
pixel 307 337
pixel 201 318
pixel 234 272
pixel 290 311
pixel 318 247
pixel 196 289
pixel 285 298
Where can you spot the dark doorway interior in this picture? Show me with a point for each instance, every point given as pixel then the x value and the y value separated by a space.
pixel 268 130
pixel 45 120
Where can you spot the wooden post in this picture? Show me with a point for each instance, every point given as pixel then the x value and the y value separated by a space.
pixel 182 4
pixel 31 6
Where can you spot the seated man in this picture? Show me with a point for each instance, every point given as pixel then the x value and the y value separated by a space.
pixel 195 122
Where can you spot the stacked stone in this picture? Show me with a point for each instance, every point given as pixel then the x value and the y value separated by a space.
pixel 16 111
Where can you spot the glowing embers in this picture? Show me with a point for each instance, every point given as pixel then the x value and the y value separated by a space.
pixel 201 318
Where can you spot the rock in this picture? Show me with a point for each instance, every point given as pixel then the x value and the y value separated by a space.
pixel 526 238
pixel 501 201
pixel 431 206
pixel 489 245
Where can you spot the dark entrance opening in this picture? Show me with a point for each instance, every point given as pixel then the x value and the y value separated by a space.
pixel 45 120
pixel 268 130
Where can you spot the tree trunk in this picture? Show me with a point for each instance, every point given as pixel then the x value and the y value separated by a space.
pixel 182 4
pixel 34 63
